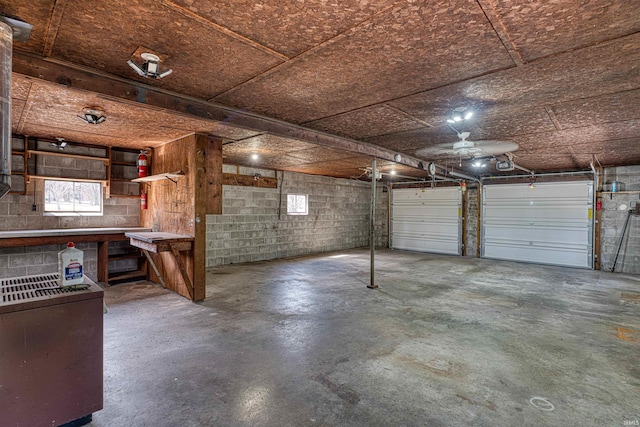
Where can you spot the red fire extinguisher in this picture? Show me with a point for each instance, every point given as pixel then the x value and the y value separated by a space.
pixel 143 200
pixel 143 168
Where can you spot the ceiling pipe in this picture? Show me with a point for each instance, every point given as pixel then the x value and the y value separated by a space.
pixel 417 179
pixel 464 176
pixel 6 49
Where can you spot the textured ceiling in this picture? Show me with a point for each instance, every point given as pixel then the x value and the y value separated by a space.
pixel 561 79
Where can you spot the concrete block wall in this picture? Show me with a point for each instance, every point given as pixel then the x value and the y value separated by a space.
pixel 30 260
pixel 254 224
pixel 614 216
pixel 16 213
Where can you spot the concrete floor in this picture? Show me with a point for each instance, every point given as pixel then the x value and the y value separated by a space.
pixel 444 341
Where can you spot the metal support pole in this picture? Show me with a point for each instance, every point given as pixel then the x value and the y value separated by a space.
pixel 372 229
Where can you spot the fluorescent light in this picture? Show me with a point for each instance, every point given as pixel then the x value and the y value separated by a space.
pixel 468 115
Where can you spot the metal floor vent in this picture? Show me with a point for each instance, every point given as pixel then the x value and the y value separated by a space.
pixel 33 287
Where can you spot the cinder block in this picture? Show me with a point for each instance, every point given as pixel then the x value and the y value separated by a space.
pixel 25 260
pixel 14 272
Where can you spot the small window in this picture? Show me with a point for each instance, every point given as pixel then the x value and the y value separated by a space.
pixel 72 198
pixel 297 204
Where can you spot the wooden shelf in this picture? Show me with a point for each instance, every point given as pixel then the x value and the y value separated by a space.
pixel 63 154
pixel 125 275
pixel 115 162
pixel 61 178
pixel 171 176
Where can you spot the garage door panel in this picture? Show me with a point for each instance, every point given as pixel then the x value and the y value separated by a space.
pixel 435 228
pixel 519 251
pixel 434 212
pixel 534 235
pixel 566 213
pixel 426 220
pixel 551 224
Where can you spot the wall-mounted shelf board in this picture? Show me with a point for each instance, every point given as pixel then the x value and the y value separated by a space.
pixel 60 178
pixel 62 154
pixel 172 176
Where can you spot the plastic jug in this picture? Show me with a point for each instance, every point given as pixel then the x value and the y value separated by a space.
pixel 70 266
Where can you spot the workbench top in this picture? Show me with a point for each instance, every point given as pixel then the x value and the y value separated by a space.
pixel 156 236
pixel 68 232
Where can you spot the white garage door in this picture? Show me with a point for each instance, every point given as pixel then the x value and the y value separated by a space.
pixel 426 220
pixel 549 224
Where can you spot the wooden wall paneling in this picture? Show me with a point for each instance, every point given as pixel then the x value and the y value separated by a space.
pixel 182 207
pixel 171 207
pixel 214 176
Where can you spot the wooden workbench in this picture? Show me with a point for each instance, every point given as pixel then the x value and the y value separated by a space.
pixel 60 236
pixel 157 242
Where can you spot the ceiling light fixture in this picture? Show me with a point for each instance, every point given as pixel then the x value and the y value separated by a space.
pixel 254 157
pixel 150 68
pixel 479 163
pixel 460 114
pixel 93 117
pixel 393 172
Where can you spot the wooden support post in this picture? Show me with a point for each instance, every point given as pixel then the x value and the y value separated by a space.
pixel 103 262
pixel 183 270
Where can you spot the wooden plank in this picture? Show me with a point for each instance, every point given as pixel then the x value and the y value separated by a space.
pixel 597 252
pixel 249 181
pixel 213 178
pixel 157 236
pixel 155 268
pixel 59 240
pixel 171 176
pixel 161 246
pixel 104 182
pixel 183 269
pixel 208 200
pixel 103 262
pixel 84 78
pixel 75 156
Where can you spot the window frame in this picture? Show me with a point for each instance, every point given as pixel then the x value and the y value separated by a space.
pixel 75 198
